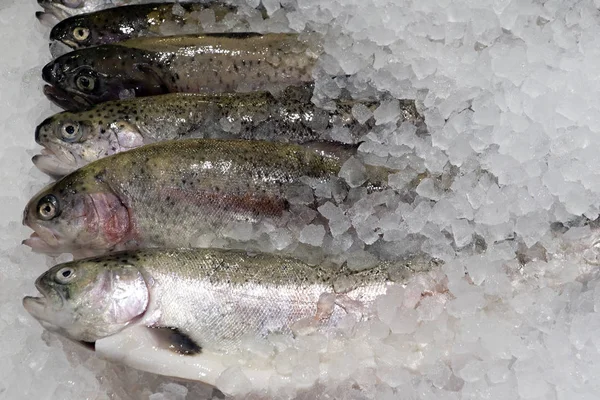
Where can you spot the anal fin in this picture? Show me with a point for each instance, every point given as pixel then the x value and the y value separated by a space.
pixel 175 340
pixel 351 306
pixel 325 306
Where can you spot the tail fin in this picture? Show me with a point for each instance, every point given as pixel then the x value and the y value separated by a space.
pixel 398 271
pixel 340 151
pixel 377 178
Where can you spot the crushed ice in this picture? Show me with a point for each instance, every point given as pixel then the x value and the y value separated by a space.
pixel 508 90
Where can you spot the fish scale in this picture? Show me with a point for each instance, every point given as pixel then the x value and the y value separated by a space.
pixel 73 139
pixel 189 313
pixel 207 63
pixel 57 10
pixel 170 193
pixel 213 297
pixel 118 24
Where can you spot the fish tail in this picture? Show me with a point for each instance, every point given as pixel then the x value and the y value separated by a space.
pixel 340 151
pixel 398 271
pixel 377 178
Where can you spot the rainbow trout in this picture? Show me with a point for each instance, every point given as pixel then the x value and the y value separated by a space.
pixel 156 19
pixel 182 313
pixel 207 63
pixel 170 193
pixel 57 10
pixel 74 139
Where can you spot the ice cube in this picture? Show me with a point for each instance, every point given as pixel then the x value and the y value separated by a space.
pixel 473 371
pixel 312 235
pixel 178 10
pixel 439 374
pixel 233 381
pixel 387 112
pixel 404 322
pixel 462 232
pixel 338 221
pixel 361 113
pixel 428 189
pixel 271 6
pixel 353 172
pixel 417 219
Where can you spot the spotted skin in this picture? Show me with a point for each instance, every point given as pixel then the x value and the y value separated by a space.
pixel 57 10
pixel 207 63
pixel 213 297
pixel 170 193
pixel 74 139
pixel 118 24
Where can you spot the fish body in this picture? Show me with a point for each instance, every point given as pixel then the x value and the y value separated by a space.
pixel 119 24
pixel 194 307
pixel 57 10
pixel 170 193
pixel 211 62
pixel 74 139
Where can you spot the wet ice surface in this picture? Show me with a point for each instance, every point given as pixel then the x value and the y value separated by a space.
pixel 509 94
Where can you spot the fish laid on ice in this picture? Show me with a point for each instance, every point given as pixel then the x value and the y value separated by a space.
pixel 207 63
pixel 170 193
pixel 123 23
pixel 57 10
pixel 185 313
pixel 74 139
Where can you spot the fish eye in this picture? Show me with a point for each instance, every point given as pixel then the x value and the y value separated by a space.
pixel 65 275
pixel 47 207
pixel 86 83
pixel 80 33
pixel 70 131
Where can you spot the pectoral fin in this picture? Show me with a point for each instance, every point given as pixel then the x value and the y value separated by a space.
pixel 88 345
pixel 153 83
pixel 128 135
pixel 351 306
pixel 175 340
pixel 324 310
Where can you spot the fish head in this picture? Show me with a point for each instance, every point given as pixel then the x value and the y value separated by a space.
pixel 98 74
pixel 86 30
pixel 75 32
pixel 89 299
pixel 78 214
pixel 70 141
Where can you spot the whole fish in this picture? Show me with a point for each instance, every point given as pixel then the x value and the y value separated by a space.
pixel 182 313
pixel 74 139
pixel 127 22
pixel 211 62
pixel 57 10
pixel 170 193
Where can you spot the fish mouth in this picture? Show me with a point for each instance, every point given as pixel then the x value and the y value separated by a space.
pixel 36 306
pixel 49 244
pixel 65 99
pixel 40 308
pixel 57 10
pixel 70 43
pixel 48 19
pixel 54 165
pixel 61 47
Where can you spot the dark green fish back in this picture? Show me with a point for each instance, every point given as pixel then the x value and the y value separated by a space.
pixel 118 24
